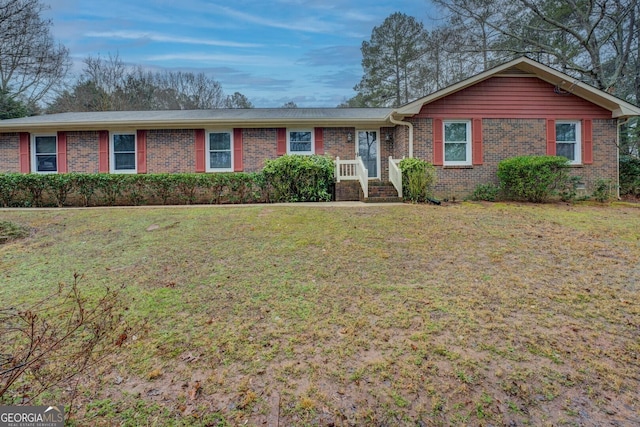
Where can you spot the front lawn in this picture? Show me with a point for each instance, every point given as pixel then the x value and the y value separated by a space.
pixel 466 314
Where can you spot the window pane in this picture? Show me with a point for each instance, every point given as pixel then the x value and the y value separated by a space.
pixel 455 132
pixel 300 136
pixel 566 150
pixel 566 132
pixel 456 152
pixel 45 144
pixel 220 141
pixel 220 159
pixel 125 161
pixel 367 150
pixel 46 163
pixel 300 141
pixel 300 146
pixel 124 143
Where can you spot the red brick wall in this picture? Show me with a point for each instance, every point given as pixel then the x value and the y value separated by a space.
pixel 422 140
pixel 258 145
pixel 336 143
pixel 9 152
pixel 386 150
pixel 605 160
pixel 503 138
pixel 82 151
pixel 400 142
pixel 348 191
pixel 171 151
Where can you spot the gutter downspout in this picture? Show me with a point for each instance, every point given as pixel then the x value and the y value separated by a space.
pixel 410 126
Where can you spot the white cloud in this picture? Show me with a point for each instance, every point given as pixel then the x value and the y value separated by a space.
pixel 332 55
pixel 254 60
pixel 143 35
pixel 310 25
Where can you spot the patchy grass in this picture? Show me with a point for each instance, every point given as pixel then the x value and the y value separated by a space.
pixel 11 231
pixel 466 314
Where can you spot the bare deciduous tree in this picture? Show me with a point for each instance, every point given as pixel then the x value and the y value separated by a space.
pixel 594 40
pixel 110 84
pixel 31 62
pixel 237 100
pixel 55 340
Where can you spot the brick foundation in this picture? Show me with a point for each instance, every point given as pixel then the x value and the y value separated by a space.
pixel 348 191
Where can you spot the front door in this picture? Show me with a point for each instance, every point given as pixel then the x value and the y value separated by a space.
pixel 369 150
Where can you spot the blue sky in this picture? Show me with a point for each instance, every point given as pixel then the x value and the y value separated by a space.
pixel 272 51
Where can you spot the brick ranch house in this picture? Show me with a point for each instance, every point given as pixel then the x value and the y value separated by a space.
pixel 519 108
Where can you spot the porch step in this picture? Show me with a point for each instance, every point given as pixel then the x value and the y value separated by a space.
pixel 383 200
pixel 379 192
pixel 383 192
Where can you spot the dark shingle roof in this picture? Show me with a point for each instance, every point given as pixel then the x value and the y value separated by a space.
pixel 176 118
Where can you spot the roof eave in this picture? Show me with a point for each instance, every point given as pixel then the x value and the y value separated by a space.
pixel 625 113
pixel 194 124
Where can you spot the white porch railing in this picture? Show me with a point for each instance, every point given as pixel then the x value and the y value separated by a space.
pixel 395 175
pixel 352 170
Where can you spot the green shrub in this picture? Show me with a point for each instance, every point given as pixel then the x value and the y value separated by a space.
pixel 187 185
pixel 102 189
pixel 602 190
pixel 60 185
pixel 298 178
pixel 34 185
pixel 135 189
pixel 87 184
pixel 241 187
pixel 262 189
pixel 9 188
pixel 418 179
pixel 161 186
pixel 630 176
pixel 217 185
pixel 486 192
pixel 569 191
pixel 533 178
pixel 111 187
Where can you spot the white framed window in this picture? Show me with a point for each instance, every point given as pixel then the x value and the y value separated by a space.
pixel 220 151
pixel 568 140
pixel 44 153
pixel 457 142
pixel 300 141
pixel 123 152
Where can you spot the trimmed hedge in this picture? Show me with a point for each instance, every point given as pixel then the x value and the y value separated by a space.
pixel 79 189
pixel 534 178
pixel 291 178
